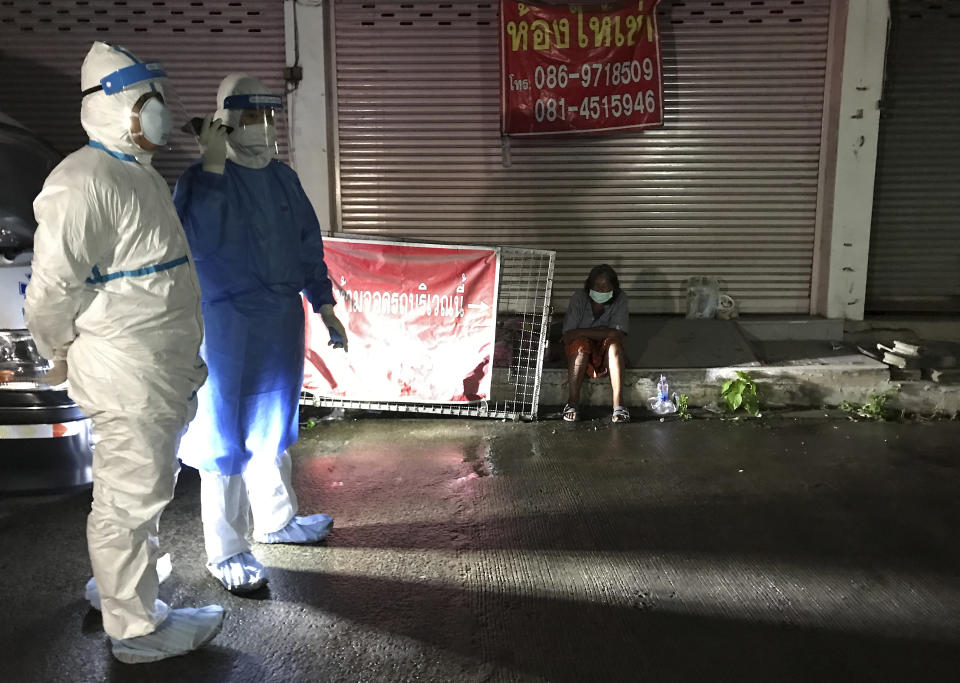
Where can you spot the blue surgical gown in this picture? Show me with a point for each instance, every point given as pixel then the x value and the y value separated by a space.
pixel 256 243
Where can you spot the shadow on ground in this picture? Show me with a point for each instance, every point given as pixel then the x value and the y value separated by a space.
pixel 469 551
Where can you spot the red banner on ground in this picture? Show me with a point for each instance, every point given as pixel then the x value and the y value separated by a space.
pixel 420 321
pixel 579 68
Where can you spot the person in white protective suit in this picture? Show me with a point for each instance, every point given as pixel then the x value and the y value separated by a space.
pixel 114 303
pixel 258 245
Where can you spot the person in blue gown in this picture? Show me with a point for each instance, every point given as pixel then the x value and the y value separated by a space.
pixel 257 245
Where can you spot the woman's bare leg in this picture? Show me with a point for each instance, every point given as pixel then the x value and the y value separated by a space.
pixel 616 364
pixel 576 371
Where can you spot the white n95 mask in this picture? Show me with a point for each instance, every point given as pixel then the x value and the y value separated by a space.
pixel 255 138
pixel 155 121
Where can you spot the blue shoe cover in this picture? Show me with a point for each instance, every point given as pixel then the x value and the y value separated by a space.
pixel 240 574
pixel 308 529
pixel 184 630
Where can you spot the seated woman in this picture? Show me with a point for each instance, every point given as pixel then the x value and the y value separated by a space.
pixel 593 338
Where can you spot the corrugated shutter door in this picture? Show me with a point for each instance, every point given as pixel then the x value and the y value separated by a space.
pixel 198 42
pixel 728 187
pixel 915 238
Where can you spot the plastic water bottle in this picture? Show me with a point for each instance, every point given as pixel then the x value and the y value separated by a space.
pixel 663 389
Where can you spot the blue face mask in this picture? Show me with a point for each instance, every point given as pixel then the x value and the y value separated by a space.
pixel 600 297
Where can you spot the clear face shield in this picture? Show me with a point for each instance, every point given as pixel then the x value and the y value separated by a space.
pixel 154 103
pixel 256 121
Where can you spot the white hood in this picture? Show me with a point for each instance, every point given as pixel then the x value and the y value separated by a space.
pixel 240 84
pixel 106 118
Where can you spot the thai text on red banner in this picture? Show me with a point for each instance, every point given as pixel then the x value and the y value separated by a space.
pixel 420 322
pixel 579 68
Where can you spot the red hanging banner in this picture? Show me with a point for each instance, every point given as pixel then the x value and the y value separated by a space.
pixel 420 323
pixel 579 68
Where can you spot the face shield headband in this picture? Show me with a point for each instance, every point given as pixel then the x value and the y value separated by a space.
pixel 121 79
pixel 253 102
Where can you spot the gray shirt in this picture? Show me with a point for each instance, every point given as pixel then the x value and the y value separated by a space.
pixel 616 314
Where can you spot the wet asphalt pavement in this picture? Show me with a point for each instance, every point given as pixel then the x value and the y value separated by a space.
pixel 772 550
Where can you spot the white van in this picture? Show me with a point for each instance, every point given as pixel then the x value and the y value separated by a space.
pixel 45 442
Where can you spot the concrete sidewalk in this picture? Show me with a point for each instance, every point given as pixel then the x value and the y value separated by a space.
pixel 797 362
pixel 476 551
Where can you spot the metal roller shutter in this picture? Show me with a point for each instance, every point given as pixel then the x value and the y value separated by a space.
pixel 915 238
pixel 727 187
pixel 198 42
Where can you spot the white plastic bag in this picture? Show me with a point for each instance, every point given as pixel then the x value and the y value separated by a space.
pixel 658 406
pixel 727 308
pixel 703 297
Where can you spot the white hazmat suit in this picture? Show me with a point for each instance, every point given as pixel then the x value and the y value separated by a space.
pixel 114 293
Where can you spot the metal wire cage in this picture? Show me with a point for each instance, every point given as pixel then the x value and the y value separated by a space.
pixel 522 328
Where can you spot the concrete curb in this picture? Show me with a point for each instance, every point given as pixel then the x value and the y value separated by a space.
pixel 780 386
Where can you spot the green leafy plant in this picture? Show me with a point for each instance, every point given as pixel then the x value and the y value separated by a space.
pixel 741 392
pixel 683 407
pixel 309 424
pixel 874 409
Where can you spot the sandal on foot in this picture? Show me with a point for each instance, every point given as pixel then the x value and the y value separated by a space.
pixel 620 414
pixel 569 413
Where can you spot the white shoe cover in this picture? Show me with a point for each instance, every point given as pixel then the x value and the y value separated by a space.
pixel 241 573
pixel 92 593
pixel 184 630
pixel 308 529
